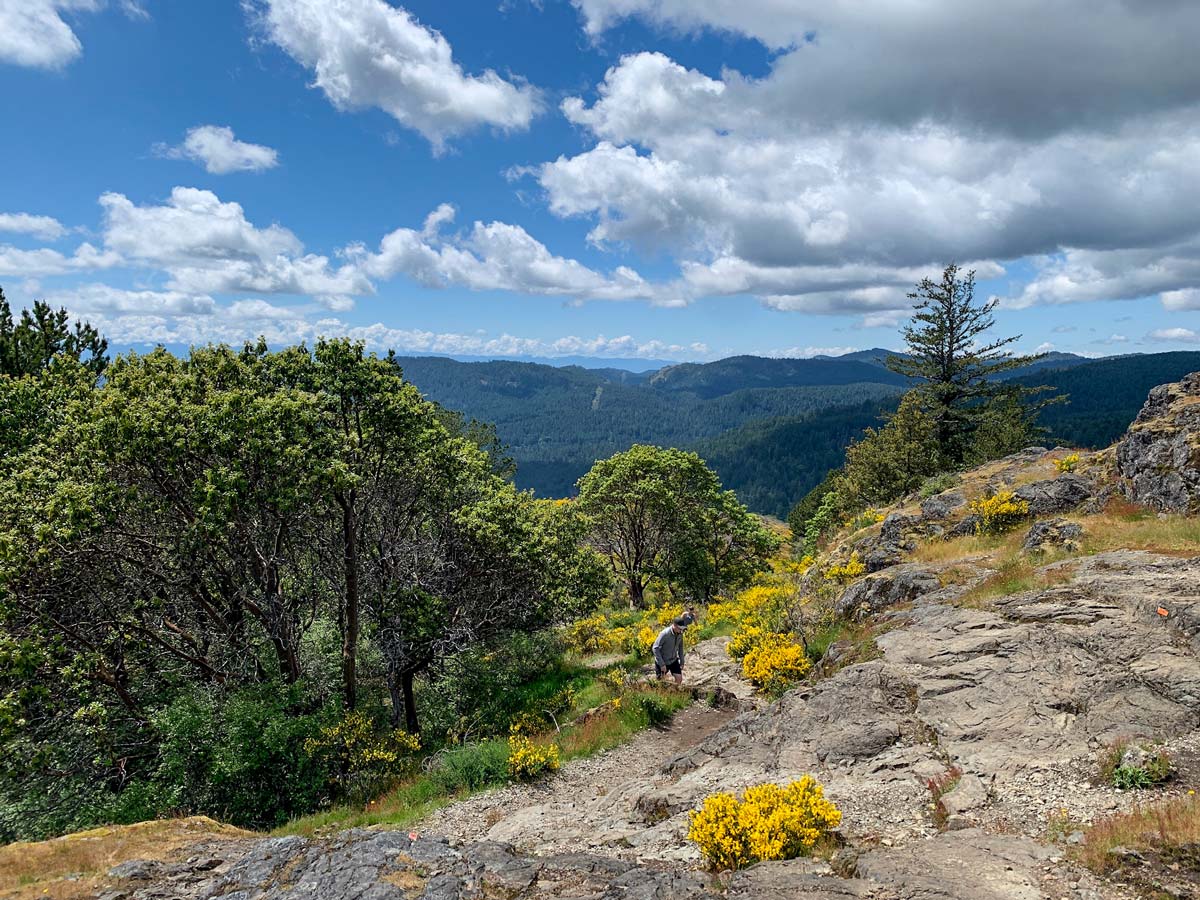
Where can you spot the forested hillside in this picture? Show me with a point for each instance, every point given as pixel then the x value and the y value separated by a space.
pixel 771 428
pixel 1105 395
pixel 557 421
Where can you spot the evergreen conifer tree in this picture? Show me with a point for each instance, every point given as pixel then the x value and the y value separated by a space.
pixel 958 368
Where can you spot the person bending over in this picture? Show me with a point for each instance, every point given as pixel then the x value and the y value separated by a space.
pixel 668 651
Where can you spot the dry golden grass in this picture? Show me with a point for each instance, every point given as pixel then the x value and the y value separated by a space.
pixel 1159 827
pixel 1123 526
pixel 1015 575
pixel 40 869
pixel 1120 526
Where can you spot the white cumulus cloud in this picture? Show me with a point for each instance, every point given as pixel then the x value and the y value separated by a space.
pixel 368 53
pixel 44 227
pixel 34 33
pixel 216 148
pixel 208 246
pixel 496 256
pixel 1175 335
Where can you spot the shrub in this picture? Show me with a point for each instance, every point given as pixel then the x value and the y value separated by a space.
pixel 590 635
pixel 848 571
pixel 999 512
pixel 1067 463
pixel 1128 766
pixel 864 519
pixel 528 761
pixel 744 640
pixel 775 662
pixel 365 759
pixel 656 710
pixel 822 521
pixel 240 756
pixel 645 639
pixel 472 767
pixel 937 484
pixel 768 823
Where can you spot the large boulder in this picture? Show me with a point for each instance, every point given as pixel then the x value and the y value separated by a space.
pixel 1052 533
pixel 943 505
pixel 1055 495
pixel 1159 457
pixel 875 593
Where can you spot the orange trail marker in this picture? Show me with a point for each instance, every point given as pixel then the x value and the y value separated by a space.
pixel 1162 612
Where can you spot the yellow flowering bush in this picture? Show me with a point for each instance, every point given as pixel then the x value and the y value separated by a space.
pixel 646 637
pixel 365 760
pixel 1067 463
pixel 745 639
pixel 768 823
pixel 775 662
pixel 590 635
pixel 999 512
pixel 847 571
pixel 528 761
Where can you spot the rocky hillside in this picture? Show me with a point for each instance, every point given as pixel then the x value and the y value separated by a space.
pixel 964 749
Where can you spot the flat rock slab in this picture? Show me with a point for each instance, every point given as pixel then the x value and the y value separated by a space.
pixel 961 865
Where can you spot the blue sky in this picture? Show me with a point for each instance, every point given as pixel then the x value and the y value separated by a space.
pixel 669 179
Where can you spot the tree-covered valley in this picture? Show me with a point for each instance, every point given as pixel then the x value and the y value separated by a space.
pixel 771 428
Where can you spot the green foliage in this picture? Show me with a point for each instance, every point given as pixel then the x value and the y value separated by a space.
pixel 1128 766
pixel 201 549
pixel 1106 394
pixel 799 515
pixel 661 514
pixel 823 521
pixel 938 483
pixel 894 460
pixel 243 758
pixel 968 413
pixel 655 709
pixel 1131 778
pixel 28 346
pixel 472 767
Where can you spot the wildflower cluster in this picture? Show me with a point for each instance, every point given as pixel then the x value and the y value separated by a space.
pixel 364 759
pixel 999 512
pixel 1067 463
pixel 528 761
pixel 863 519
pixel 543 716
pixel 768 823
pixel 847 571
pixel 621 631
pixel 588 635
pixel 775 661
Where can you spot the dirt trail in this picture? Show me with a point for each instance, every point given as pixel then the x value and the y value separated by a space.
pixel 605 802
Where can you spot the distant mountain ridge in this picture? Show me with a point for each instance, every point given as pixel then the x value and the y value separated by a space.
pixel 771 427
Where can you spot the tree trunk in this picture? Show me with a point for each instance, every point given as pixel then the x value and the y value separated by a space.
pixel 637 594
pixel 350 632
pixel 410 704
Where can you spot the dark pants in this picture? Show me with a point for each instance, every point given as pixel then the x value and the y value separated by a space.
pixel 673 667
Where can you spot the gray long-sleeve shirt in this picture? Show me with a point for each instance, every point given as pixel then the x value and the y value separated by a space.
pixel 668 647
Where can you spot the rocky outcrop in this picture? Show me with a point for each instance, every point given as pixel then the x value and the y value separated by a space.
pixel 1159 457
pixel 1052 533
pixel 1055 495
pixel 943 505
pixel 391 865
pixel 875 593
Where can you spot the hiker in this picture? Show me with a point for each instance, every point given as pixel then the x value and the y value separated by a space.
pixel 668 650
pixel 689 616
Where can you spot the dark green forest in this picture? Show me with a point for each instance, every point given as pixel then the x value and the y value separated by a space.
pixel 770 428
